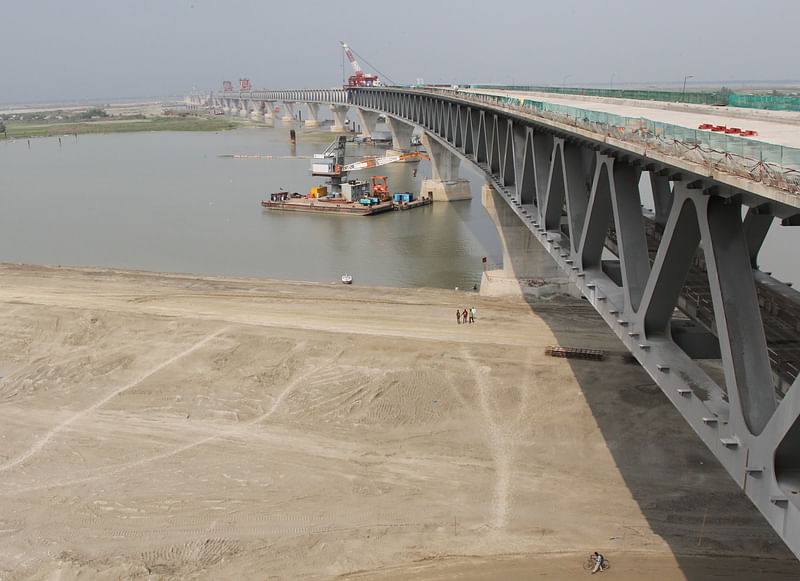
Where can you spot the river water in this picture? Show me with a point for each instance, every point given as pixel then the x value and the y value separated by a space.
pixel 166 201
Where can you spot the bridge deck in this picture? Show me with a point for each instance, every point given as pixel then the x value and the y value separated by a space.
pixel 778 127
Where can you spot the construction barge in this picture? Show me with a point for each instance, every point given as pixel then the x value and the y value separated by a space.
pixel 284 201
pixel 352 197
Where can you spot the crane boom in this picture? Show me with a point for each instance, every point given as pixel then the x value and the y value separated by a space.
pixel 359 78
pixel 378 161
pixel 350 57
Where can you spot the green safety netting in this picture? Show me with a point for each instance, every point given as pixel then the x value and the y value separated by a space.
pixel 638 94
pixel 773 103
pixel 776 103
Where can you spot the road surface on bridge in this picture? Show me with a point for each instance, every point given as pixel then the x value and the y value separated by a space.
pixel 778 127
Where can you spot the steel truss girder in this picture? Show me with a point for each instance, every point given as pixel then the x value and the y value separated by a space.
pixel 571 192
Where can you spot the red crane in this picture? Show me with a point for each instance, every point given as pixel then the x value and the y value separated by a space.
pixel 359 79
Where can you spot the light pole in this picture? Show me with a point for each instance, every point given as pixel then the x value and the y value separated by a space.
pixel 684 83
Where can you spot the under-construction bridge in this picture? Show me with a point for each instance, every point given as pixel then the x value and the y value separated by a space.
pixel 678 284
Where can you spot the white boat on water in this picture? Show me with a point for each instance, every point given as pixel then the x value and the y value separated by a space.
pixel 347 279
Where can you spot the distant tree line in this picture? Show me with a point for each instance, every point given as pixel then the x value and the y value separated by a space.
pixel 92 113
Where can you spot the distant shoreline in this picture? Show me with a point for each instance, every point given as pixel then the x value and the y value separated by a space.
pixel 77 105
pixel 130 116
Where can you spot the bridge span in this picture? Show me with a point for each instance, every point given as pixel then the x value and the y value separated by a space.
pixel 678 283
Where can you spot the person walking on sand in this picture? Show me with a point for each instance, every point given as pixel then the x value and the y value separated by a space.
pixel 472 315
pixel 458 316
pixel 464 315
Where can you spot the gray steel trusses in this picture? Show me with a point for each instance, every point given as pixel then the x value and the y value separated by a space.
pixel 578 190
pixel 678 284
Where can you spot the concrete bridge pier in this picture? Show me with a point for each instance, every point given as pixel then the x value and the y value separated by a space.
pixel 313 115
pixel 445 185
pixel 339 118
pixel 401 137
pixel 255 111
pixel 528 269
pixel 242 109
pixel 265 113
pixel 288 117
pixel 369 119
pixel 269 113
pixel 269 118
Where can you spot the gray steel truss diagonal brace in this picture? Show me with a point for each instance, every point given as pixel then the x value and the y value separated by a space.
pixel 739 326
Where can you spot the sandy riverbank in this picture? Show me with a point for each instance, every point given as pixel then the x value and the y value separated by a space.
pixel 178 427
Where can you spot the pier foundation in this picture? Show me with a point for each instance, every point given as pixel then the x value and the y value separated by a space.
pixel 256 113
pixel 445 185
pixel 528 270
pixel 313 115
pixel 288 117
pixel 445 191
pixel 339 118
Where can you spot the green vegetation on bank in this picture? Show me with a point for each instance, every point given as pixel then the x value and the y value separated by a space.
pixel 96 120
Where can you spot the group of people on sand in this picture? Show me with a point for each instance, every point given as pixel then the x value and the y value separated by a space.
pixel 465 316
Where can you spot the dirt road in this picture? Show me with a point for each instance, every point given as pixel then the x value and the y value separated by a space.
pixel 175 427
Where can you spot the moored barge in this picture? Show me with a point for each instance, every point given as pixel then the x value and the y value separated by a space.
pixel 325 205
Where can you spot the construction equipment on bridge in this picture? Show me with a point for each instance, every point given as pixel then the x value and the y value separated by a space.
pixel 227 86
pixel 575 353
pixel 359 79
pixel 244 84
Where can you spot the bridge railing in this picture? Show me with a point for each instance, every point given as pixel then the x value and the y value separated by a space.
pixel 775 165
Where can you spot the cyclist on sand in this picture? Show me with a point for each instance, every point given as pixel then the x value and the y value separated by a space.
pixel 598 563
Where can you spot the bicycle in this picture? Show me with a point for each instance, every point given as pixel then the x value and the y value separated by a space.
pixel 590 563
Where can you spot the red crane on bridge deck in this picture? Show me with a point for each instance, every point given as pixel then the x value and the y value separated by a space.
pixel 360 78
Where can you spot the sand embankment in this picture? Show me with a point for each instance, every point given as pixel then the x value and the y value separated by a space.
pixel 174 427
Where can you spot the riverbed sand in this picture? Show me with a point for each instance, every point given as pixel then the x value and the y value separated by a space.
pixel 160 426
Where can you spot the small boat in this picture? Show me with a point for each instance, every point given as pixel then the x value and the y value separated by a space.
pixel 347 279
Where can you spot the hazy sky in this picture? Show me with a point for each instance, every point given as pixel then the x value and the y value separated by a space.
pixel 86 49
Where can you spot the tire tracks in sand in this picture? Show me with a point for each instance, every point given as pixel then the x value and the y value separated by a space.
pixel 45 438
pixel 501 438
pixel 238 430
